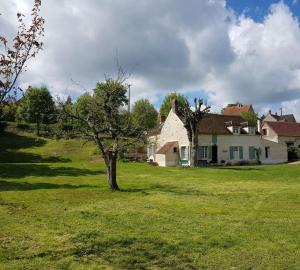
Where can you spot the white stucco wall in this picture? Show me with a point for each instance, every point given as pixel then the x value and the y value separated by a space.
pixel 278 152
pixel 172 130
pixel 271 135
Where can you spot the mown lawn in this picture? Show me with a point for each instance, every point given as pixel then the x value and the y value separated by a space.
pixel 57 213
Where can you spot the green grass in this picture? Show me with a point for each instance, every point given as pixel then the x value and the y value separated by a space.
pixel 56 212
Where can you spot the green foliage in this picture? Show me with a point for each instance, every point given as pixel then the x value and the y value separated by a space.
pixel 167 102
pixel 250 117
pixel 144 115
pixel 9 111
pixel 82 104
pixel 37 107
pixel 56 212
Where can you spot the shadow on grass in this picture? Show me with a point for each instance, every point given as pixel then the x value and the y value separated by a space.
pixel 17 171
pixel 239 168
pixel 11 144
pixel 166 189
pixel 134 253
pixel 22 157
pixel 12 141
pixel 23 186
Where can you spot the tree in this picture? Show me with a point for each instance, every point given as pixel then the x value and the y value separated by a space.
pixel 167 102
pixel 37 107
pixel 101 118
pixel 25 46
pixel 190 119
pixel 250 117
pixel 144 114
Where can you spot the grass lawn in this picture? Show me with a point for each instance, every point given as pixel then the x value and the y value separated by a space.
pixel 56 212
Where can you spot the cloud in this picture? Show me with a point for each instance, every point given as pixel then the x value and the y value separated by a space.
pixel 199 47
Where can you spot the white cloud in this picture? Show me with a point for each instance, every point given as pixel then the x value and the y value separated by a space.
pixel 173 45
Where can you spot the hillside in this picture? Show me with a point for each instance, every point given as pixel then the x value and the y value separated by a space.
pixel 57 212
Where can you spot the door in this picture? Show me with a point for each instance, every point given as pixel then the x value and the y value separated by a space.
pixel 214 154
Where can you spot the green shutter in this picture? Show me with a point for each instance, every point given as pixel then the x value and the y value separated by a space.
pixel 209 152
pixel 251 153
pixel 231 152
pixel 241 152
pixel 214 139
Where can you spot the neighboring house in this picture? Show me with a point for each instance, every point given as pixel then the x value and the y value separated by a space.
pixel 290 118
pixel 236 109
pixel 282 132
pixel 222 139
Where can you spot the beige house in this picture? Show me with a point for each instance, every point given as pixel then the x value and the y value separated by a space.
pixel 282 132
pixel 222 139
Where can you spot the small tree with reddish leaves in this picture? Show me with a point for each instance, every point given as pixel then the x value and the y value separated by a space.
pixel 14 56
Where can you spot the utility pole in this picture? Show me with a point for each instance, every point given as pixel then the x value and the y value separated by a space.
pixel 129 86
pixel 281 111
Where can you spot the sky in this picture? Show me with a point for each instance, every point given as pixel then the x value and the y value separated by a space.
pixel 221 51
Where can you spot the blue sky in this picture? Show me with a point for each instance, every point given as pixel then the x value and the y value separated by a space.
pixel 257 9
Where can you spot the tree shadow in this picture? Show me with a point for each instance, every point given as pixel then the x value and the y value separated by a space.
pixel 23 157
pixel 166 189
pixel 17 171
pixel 13 141
pixel 239 168
pixel 23 186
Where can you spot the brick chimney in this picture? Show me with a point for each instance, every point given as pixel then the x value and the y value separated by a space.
pixel 174 105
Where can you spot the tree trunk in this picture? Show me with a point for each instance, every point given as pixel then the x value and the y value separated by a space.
pixel 194 146
pixel 112 171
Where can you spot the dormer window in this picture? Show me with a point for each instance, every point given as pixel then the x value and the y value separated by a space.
pixel 236 130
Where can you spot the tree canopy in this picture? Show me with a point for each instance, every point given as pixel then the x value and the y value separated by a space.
pixel 14 55
pixel 250 117
pixel 144 115
pixel 167 102
pixel 37 106
pixel 100 117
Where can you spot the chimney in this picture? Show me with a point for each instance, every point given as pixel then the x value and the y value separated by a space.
pixel 270 112
pixel 162 119
pixel 174 105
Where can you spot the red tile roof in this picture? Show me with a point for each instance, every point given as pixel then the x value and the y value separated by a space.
pixel 237 109
pixel 286 129
pixel 166 147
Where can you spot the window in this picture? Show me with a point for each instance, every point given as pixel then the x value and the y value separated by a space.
pixel 175 150
pixel 184 153
pixel 265 131
pixel 251 152
pixel 267 152
pixel 236 130
pixel 202 152
pixel 236 152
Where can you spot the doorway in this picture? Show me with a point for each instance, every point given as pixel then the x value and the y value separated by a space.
pixel 214 154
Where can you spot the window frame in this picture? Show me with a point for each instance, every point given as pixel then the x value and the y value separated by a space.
pixel 202 152
pixel 184 153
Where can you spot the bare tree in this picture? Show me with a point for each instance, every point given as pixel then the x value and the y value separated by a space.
pixel 25 45
pixel 102 118
pixel 191 119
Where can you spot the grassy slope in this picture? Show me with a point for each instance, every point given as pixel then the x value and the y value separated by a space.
pixel 56 213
